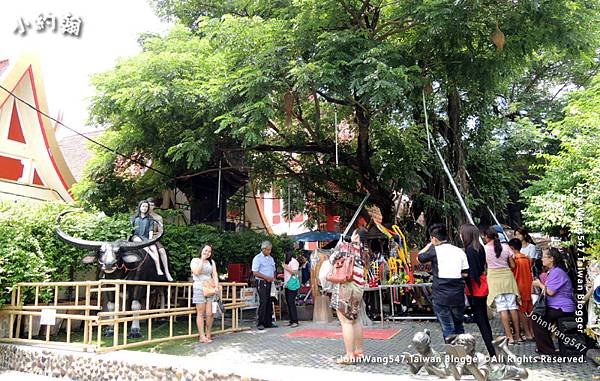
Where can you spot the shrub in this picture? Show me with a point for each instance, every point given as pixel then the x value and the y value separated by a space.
pixel 30 251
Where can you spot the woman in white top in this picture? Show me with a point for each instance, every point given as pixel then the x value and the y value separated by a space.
pixel 527 244
pixel 290 269
pixel 204 269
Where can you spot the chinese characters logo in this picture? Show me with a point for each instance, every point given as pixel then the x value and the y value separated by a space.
pixel 67 24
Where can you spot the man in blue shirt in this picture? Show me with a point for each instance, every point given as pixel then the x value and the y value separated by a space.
pixel 263 268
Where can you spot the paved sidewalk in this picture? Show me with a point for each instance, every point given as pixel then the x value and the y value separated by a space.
pixel 269 355
pixel 273 348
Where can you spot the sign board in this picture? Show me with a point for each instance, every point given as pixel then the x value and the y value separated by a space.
pixel 249 296
pixel 48 317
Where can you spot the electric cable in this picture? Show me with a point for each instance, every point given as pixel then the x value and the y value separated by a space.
pixel 15 96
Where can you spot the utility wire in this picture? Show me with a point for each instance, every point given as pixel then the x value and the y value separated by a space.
pixel 171 178
pixel 85 137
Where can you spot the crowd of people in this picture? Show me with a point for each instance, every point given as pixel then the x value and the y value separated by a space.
pixel 206 287
pixel 487 271
pixel 492 271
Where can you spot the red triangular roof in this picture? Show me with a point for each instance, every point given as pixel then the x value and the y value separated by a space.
pixel 34 165
pixel 15 132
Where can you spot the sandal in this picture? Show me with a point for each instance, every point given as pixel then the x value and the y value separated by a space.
pixel 345 360
pixel 204 339
pixel 359 354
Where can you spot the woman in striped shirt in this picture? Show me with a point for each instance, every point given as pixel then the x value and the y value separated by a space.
pixel 347 298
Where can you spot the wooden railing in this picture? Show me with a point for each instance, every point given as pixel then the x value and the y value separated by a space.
pixel 69 304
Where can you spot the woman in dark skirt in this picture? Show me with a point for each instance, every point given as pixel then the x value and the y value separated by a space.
pixel 477 288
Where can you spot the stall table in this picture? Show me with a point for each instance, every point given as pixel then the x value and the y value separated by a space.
pixel 392 286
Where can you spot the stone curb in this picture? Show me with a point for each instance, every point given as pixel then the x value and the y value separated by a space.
pixel 70 365
pixel 87 366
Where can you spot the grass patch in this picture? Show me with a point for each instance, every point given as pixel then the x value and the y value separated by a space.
pixel 160 329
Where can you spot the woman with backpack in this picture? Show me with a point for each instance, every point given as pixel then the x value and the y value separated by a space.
pixel 347 297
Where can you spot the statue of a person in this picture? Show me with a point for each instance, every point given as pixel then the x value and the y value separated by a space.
pixel 505 369
pixel 143 230
pixel 158 228
pixel 465 360
pixel 462 358
pixel 426 358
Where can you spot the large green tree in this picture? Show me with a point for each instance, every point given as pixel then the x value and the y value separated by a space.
pixel 568 194
pixel 268 79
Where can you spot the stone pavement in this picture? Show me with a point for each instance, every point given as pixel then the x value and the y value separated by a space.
pixel 269 355
pixel 271 347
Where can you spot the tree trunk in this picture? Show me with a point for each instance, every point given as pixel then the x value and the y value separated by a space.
pixel 379 195
pixel 456 153
pixel 456 146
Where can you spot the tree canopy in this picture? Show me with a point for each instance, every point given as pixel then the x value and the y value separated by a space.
pixel 268 80
pixel 568 194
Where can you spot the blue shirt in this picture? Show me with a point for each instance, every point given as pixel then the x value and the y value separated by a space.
pixel 264 264
pixel 142 226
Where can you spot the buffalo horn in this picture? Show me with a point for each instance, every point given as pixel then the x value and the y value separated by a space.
pixel 72 240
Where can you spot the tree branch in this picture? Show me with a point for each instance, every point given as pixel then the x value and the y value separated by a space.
pixel 355 15
pixel 364 7
pixel 558 92
pixel 537 76
pixel 308 182
pixel 331 99
pixel 317 113
pixel 299 116
pixel 393 31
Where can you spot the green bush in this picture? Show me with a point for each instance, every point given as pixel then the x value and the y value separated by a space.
pixel 30 251
pixel 184 242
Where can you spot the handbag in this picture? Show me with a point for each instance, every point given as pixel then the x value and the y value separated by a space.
pixel 342 270
pixel 274 291
pixel 540 306
pixel 218 308
pixel 208 288
pixel 293 283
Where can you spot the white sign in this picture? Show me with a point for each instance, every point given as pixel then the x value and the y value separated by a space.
pixel 48 317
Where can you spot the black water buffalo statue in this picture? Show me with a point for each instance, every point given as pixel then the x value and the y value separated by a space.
pixel 121 259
